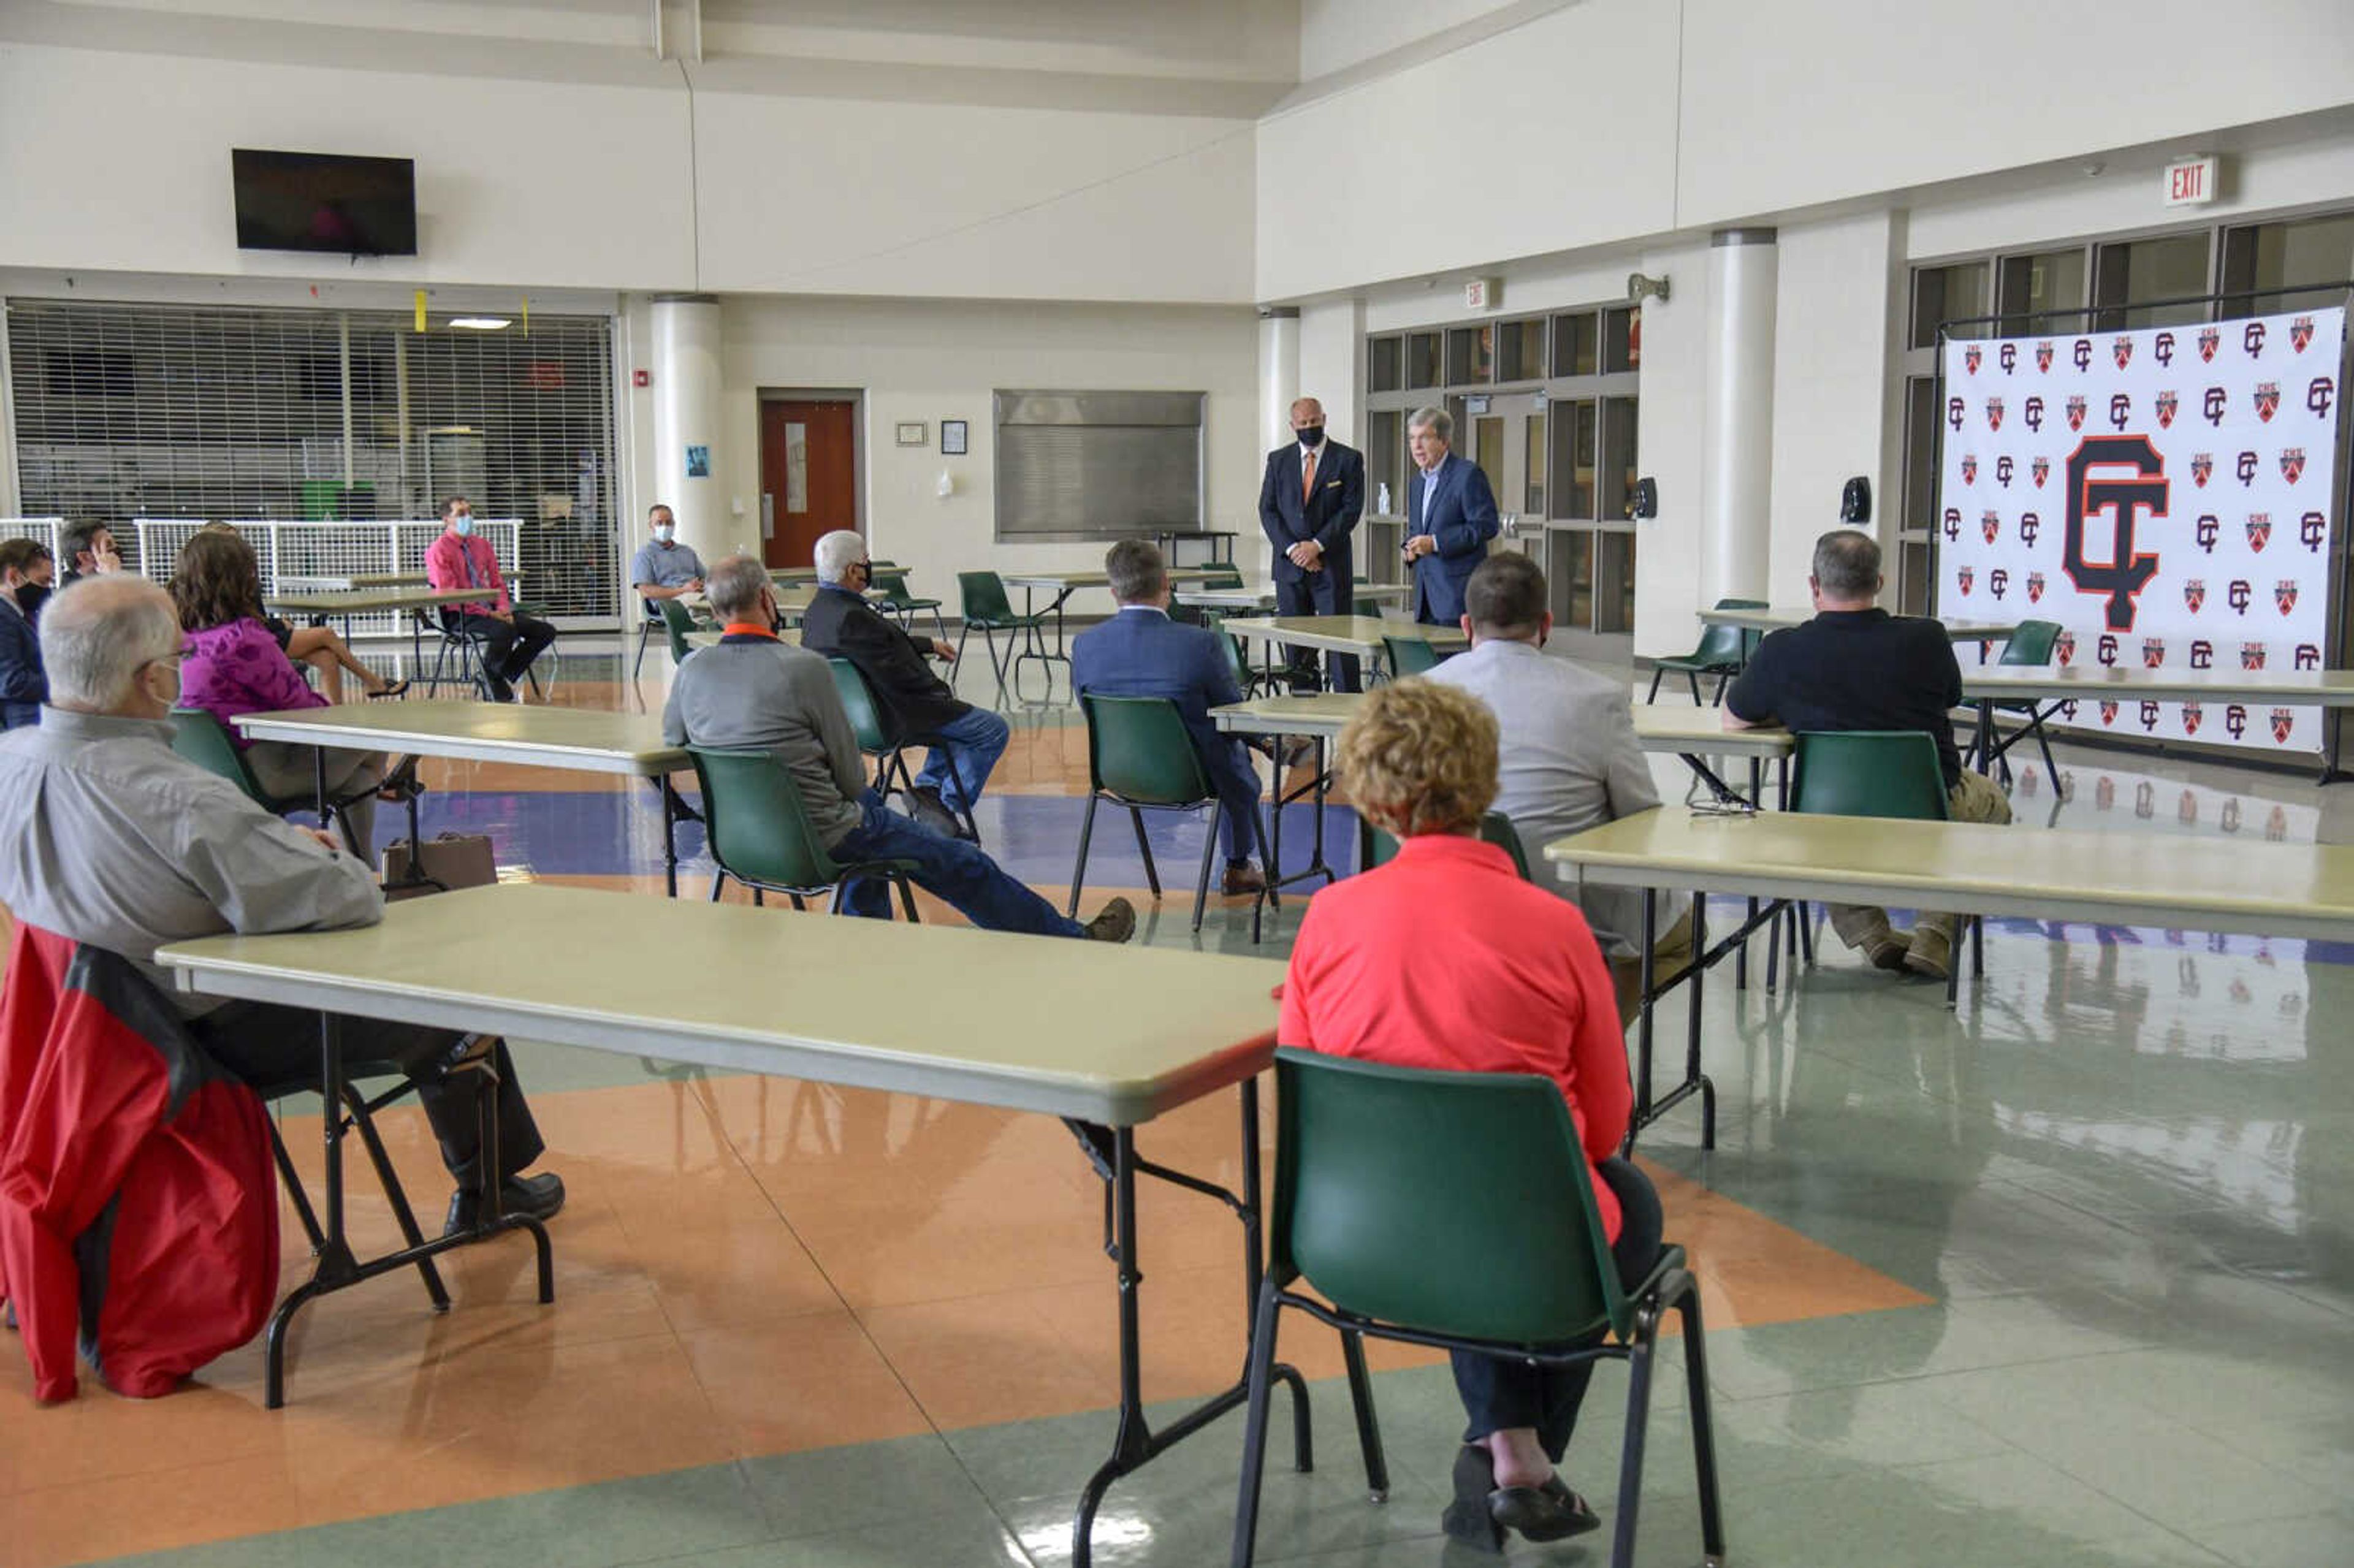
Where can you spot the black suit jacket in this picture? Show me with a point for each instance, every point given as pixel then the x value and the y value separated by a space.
pixel 842 625
pixel 1329 516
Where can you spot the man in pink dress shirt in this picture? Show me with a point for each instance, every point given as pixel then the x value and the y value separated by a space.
pixel 461 559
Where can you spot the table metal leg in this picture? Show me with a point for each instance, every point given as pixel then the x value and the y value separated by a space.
pixel 1270 895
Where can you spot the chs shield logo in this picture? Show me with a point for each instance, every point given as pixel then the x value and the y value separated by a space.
pixel 2267 400
pixel 2285 595
pixel 2035 587
pixel 1994 413
pixel 2003 469
pixel 2284 720
pixel 2123 349
pixel 2259 531
pixel 2076 413
pixel 1998 582
pixel 1964 577
pixel 2239 595
pixel 1990 525
pixel 2153 652
pixel 2009 358
pixel 2312 529
pixel 2252 655
pixel 2246 467
pixel 2292 463
pixel 2031 524
pixel 2209 530
pixel 2162 346
pixel 2317 396
pixel 2106 650
pixel 2202 655
pixel 2042 356
pixel 1972 358
pixel 2168 403
pixel 1953 524
pixel 2209 341
pixel 2253 339
pixel 1954 412
pixel 2064 645
pixel 2108 713
pixel 2308 656
pixel 1969 469
pixel 2300 333
pixel 2194 593
pixel 2083 354
pixel 2191 715
pixel 2202 468
pixel 2039 469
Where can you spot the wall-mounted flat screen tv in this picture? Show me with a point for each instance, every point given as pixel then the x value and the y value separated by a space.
pixel 320 201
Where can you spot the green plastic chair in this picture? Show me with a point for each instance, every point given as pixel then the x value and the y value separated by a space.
pixel 879 737
pixel 983 606
pixel 2030 646
pixel 1140 756
pixel 759 834
pixel 897 601
pixel 1723 651
pixel 1878 773
pixel 204 740
pixel 1408 655
pixel 1223 577
pixel 1456 1209
pixel 676 624
pixel 1375 846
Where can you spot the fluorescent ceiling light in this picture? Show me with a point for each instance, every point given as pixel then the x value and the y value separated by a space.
pixel 480 324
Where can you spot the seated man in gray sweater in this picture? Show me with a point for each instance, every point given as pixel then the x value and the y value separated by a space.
pixel 754 691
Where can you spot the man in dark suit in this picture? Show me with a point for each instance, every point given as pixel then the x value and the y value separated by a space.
pixel 1310 503
pixel 1140 653
pixel 964 742
pixel 1450 515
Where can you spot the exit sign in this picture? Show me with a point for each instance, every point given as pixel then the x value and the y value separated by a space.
pixel 2190 181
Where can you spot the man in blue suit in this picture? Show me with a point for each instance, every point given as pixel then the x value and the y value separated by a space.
pixel 1309 504
pixel 1140 653
pixel 1450 515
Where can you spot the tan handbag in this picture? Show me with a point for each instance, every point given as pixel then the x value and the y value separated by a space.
pixel 447 860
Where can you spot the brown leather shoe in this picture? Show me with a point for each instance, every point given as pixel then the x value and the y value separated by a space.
pixel 1242 877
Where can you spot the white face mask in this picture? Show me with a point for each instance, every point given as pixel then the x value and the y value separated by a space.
pixel 664 533
pixel 461 525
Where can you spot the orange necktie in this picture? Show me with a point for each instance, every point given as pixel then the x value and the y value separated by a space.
pixel 1307 479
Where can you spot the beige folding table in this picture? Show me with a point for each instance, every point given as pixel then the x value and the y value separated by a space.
pixel 1061 1028
pixel 579 740
pixel 1970 868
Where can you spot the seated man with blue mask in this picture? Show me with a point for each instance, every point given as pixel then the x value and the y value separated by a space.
pixel 663 568
pixel 754 692
pixel 1140 653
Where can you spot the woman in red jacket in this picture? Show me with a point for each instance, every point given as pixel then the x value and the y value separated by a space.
pixel 1443 958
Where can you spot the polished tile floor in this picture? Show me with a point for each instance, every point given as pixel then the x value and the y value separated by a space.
pixel 2062 1279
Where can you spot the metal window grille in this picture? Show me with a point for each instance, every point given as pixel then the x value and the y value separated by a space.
pixel 312 554
pixel 334 432
pixel 44 529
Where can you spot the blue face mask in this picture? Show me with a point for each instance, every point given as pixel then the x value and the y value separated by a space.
pixel 461 525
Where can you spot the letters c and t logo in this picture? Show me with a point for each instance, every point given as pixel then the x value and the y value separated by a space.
pixel 2126 572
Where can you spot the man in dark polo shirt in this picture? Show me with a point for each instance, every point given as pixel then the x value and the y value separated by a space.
pixel 1855 666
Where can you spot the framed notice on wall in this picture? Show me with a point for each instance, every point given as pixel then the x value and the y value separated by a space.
pixel 2163 494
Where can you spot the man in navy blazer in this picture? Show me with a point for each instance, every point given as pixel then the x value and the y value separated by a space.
pixel 1309 504
pixel 1450 515
pixel 1140 653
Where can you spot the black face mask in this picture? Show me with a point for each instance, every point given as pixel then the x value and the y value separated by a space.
pixel 1310 436
pixel 30 597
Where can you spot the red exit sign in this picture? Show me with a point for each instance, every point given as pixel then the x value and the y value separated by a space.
pixel 2190 181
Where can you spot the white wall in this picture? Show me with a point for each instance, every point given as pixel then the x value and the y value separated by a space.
pixel 934 360
pixel 1337 34
pixel 1834 335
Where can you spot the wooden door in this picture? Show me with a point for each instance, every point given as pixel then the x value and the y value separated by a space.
pixel 809 476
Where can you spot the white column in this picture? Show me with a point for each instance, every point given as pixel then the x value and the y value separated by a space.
pixel 1737 439
pixel 1278 373
pixel 687 415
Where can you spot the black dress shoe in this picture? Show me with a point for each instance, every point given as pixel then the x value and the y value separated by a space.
pixel 538 1196
pixel 1549 1513
pixel 1467 1519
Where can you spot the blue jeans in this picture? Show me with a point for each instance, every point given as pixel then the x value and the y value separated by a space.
pixel 954 870
pixel 960 766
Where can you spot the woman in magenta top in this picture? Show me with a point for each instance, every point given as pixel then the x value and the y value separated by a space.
pixel 1445 959
pixel 233 664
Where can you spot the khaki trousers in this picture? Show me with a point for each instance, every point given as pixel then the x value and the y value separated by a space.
pixel 1974 800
